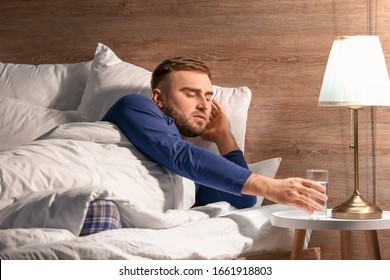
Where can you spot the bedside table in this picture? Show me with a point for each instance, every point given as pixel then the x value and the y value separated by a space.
pixel 301 221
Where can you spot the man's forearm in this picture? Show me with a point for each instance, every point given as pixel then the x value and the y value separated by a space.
pixel 256 184
pixel 289 191
pixel 227 144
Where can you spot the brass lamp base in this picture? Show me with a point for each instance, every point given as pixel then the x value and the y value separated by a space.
pixel 356 208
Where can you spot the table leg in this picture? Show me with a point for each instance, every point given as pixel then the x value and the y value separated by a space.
pixel 297 245
pixel 346 244
pixel 373 244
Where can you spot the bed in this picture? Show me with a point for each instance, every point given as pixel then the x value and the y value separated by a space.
pixel 56 156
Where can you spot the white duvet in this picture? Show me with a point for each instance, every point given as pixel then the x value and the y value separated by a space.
pixel 238 233
pixel 43 205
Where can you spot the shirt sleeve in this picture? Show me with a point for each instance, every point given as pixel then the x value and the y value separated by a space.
pixel 205 195
pixel 156 136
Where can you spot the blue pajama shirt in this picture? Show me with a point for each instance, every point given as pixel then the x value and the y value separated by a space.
pixel 156 136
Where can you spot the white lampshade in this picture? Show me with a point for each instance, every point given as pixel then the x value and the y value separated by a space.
pixel 356 73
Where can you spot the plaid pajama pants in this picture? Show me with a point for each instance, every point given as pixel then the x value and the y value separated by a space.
pixel 101 215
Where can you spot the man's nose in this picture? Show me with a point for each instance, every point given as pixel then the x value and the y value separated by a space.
pixel 203 102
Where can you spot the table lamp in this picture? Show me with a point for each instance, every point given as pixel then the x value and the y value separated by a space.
pixel 356 76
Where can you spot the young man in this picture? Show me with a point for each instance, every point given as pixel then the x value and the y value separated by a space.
pixel 181 107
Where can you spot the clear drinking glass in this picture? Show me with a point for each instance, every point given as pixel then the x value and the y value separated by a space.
pixel 320 176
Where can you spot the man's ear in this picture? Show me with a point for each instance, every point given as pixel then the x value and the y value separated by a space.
pixel 157 98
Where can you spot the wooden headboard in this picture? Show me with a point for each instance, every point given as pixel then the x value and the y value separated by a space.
pixel 278 49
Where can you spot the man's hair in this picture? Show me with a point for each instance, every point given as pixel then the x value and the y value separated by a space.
pixel 180 63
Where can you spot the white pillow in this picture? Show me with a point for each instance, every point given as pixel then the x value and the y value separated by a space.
pixel 111 78
pixel 267 168
pixel 57 86
pixel 22 122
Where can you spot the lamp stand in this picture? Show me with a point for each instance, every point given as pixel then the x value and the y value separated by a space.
pixel 356 207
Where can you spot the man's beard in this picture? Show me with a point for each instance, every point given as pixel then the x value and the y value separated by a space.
pixel 182 123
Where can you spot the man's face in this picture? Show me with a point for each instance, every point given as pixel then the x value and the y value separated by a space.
pixel 186 97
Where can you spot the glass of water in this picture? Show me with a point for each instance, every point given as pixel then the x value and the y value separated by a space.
pixel 320 176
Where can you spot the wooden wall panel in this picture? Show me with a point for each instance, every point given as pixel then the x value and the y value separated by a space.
pixel 277 48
